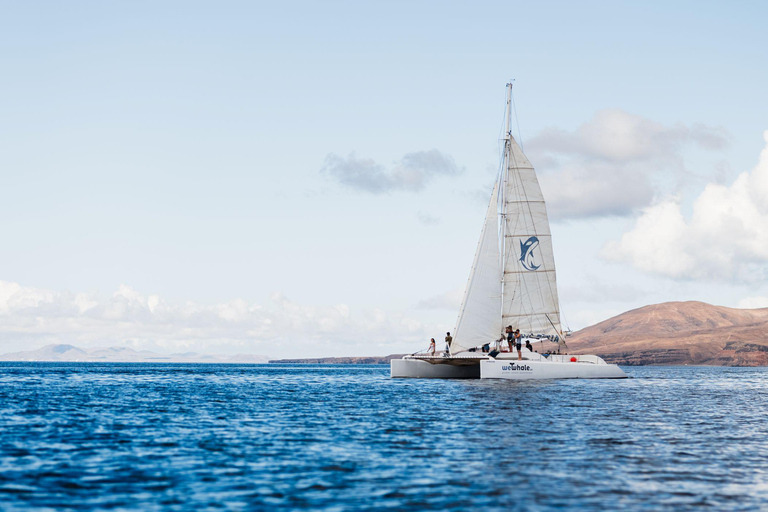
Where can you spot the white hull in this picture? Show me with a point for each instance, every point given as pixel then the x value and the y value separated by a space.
pixel 537 370
pixel 505 366
pixel 416 369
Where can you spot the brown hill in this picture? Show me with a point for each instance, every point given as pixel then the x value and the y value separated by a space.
pixel 679 333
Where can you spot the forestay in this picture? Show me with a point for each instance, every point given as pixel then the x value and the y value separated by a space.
pixel 479 319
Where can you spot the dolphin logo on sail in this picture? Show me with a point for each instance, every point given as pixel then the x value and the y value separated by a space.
pixel 528 256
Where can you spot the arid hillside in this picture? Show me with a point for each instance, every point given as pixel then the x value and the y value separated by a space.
pixel 679 333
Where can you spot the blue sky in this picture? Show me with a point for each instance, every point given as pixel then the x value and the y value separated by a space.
pixel 174 150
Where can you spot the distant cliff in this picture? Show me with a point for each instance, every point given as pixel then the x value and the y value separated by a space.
pixel 679 333
pixel 342 360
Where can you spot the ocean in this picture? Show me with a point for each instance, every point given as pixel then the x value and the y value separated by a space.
pixel 96 436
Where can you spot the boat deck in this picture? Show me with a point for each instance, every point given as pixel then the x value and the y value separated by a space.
pixel 472 358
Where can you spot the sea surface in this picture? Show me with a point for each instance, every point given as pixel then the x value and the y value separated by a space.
pixel 96 436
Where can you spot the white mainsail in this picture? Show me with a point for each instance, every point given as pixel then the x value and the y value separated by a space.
pixel 530 301
pixel 480 314
pixel 512 281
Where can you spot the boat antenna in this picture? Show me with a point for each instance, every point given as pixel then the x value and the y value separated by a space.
pixel 517 122
pixel 510 101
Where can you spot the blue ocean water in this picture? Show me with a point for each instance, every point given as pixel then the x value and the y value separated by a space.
pixel 332 437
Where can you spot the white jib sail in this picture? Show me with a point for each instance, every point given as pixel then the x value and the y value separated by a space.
pixel 530 287
pixel 479 319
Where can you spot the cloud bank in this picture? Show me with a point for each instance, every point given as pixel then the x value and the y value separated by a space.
pixel 31 318
pixel 608 165
pixel 412 173
pixel 726 236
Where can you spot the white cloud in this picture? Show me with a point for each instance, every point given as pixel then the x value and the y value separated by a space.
pixel 427 219
pixel 599 291
pixel 596 189
pixel 609 165
pixel 584 318
pixel 618 136
pixel 7 290
pixel 753 303
pixel 31 318
pixel 412 173
pixel 725 237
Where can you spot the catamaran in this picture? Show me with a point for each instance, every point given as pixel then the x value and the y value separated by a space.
pixel 512 283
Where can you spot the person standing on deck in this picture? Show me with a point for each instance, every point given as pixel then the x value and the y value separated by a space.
pixel 518 344
pixel 448 340
pixel 510 336
pixel 431 347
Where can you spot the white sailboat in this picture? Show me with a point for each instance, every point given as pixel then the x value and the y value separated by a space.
pixel 512 283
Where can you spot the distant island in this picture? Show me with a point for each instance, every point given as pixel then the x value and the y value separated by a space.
pixel 71 353
pixel 341 360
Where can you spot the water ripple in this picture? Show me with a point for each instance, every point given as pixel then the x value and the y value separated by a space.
pixel 323 437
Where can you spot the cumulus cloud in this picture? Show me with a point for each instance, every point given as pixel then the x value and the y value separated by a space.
pixel 412 173
pixel 32 317
pixel 608 165
pixel 603 190
pixel 600 291
pixel 726 235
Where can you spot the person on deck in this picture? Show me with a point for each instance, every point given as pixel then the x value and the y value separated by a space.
pixel 431 347
pixel 528 344
pixel 519 345
pixel 510 336
pixel 448 340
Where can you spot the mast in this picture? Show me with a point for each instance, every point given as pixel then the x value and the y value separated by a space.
pixel 504 180
pixel 529 285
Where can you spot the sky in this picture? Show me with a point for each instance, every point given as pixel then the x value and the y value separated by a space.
pixel 304 179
